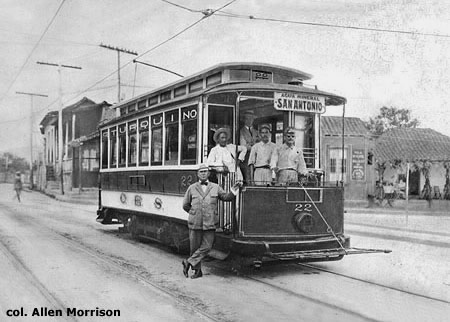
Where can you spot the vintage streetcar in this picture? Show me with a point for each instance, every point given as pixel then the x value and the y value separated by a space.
pixel 150 151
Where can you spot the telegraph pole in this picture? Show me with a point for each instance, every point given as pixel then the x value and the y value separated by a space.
pixel 60 125
pixel 119 50
pixel 31 132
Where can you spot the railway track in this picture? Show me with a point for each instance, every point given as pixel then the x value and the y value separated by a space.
pixel 120 265
pixel 315 267
pixel 139 273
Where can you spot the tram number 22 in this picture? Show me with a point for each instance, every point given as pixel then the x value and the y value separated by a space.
pixel 186 181
pixel 303 207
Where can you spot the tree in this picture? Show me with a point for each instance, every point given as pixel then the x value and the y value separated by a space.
pixel 389 118
pixel 12 163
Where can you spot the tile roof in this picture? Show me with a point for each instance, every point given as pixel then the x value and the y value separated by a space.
pixel 353 126
pixel 410 144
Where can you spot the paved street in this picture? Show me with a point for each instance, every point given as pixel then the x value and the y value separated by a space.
pixel 56 256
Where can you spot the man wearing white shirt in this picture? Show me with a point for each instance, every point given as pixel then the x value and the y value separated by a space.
pixel 288 161
pixel 222 157
pixel 260 158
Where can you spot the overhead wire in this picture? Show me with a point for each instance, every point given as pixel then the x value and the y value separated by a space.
pixel 32 51
pixel 330 25
pixel 207 14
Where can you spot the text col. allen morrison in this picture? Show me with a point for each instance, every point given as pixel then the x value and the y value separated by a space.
pixel 70 311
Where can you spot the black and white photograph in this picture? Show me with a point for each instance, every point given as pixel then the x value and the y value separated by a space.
pixel 224 160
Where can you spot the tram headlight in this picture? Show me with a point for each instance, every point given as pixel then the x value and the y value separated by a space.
pixel 303 222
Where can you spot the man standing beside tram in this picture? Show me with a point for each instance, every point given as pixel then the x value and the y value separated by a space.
pixel 260 158
pixel 287 160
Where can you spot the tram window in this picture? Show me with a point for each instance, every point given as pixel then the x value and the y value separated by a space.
pixel 156 152
pixel 189 135
pixel 113 147
pixel 239 74
pixel 304 139
pixel 132 143
pixel 219 116
pixel 214 79
pixel 153 100
pixel 166 96
pixel 104 149
pixel 142 104
pixel 144 147
pixel 179 91
pixel 196 85
pixel 122 145
pixel 171 120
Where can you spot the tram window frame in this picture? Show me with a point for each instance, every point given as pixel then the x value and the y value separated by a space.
pixel 226 115
pixel 144 141
pixel 104 149
pixel 113 147
pixel 132 147
pixel 189 130
pixel 122 145
pixel 156 127
pixel 304 132
pixel 171 133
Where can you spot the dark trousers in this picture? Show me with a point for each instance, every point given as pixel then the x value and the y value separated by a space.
pixel 245 168
pixel 201 242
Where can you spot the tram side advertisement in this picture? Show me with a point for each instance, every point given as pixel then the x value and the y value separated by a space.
pixel 298 102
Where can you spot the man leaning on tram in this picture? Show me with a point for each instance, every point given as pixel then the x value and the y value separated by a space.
pixel 288 161
pixel 200 201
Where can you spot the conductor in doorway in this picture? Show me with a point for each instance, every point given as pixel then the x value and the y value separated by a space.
pixel 200 201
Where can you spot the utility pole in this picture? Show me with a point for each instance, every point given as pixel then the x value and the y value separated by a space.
pixel 60 125
pixel 119 50
pixel 31 132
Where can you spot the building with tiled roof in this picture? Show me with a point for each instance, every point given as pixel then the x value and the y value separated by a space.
pixel 358 174
pixel 412 144
pixel 400 150
pixel 332 126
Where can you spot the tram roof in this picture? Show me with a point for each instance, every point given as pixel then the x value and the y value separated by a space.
pixel 223 77
pixel 330 99
pixel 284 72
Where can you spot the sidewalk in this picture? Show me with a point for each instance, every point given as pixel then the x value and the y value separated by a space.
pixel 88 196
pixel 419 206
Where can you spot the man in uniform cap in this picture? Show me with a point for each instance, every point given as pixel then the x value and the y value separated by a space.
pixel 200 201
pixel 260 158
pixel 287 160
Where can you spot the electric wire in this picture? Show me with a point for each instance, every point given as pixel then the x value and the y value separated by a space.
pixel 153 48
pixel 32 51
pixel 330 25
pixel 180 6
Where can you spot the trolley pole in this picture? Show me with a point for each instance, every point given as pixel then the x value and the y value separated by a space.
pixel 31 132
pixel 119 50
pixel 60 124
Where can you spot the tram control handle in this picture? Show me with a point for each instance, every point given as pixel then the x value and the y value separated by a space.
pixel 313 177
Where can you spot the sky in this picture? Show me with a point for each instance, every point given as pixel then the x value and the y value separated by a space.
pixel 408 68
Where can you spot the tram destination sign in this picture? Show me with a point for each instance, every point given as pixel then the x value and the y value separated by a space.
pixel 299 102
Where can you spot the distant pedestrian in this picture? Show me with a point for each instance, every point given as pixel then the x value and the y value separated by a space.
pixel 200 201
pixel 18 185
